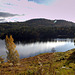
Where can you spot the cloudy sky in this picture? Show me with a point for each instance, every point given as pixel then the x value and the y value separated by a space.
pixel 22 10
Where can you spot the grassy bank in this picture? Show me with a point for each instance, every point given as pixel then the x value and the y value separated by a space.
pixel 59 63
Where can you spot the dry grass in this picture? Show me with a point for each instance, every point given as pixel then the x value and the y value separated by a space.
pixel 44 64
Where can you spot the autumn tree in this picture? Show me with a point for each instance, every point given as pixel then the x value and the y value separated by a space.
pixel 12 54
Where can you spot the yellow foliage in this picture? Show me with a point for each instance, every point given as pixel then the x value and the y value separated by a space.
pixel 12 54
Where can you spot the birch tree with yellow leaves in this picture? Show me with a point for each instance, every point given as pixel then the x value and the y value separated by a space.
pixel 12 53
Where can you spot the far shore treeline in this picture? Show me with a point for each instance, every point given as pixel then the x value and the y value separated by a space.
pixel 38 29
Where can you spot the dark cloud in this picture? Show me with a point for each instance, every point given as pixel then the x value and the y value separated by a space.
pixel 5 14
pixel 2 19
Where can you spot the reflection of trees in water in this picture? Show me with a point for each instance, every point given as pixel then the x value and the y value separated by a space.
pixel 32 41
pixel 74 41
pixel 64 39
pixel 25 41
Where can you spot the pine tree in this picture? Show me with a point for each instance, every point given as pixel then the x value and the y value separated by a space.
pixel 12 54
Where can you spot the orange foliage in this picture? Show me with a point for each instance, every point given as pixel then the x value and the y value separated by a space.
pixel 12 54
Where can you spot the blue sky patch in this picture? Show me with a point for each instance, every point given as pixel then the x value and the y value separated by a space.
pixel 46 2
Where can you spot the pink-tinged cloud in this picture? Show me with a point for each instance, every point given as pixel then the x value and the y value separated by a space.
pixel 59 9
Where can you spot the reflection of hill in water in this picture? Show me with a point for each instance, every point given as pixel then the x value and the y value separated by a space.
pixel 34 47
pixel 43 40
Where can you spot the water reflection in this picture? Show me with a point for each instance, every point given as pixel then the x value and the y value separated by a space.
pixel 44 40
pixel 2 48
pixel 37 47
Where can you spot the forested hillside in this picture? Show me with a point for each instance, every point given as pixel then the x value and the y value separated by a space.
pixel 38 29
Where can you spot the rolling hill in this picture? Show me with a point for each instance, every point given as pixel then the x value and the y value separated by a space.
pixel 38 28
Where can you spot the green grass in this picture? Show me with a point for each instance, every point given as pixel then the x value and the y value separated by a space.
pixel 59 63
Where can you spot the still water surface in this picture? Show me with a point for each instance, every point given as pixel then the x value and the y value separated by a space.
pixel 35 48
